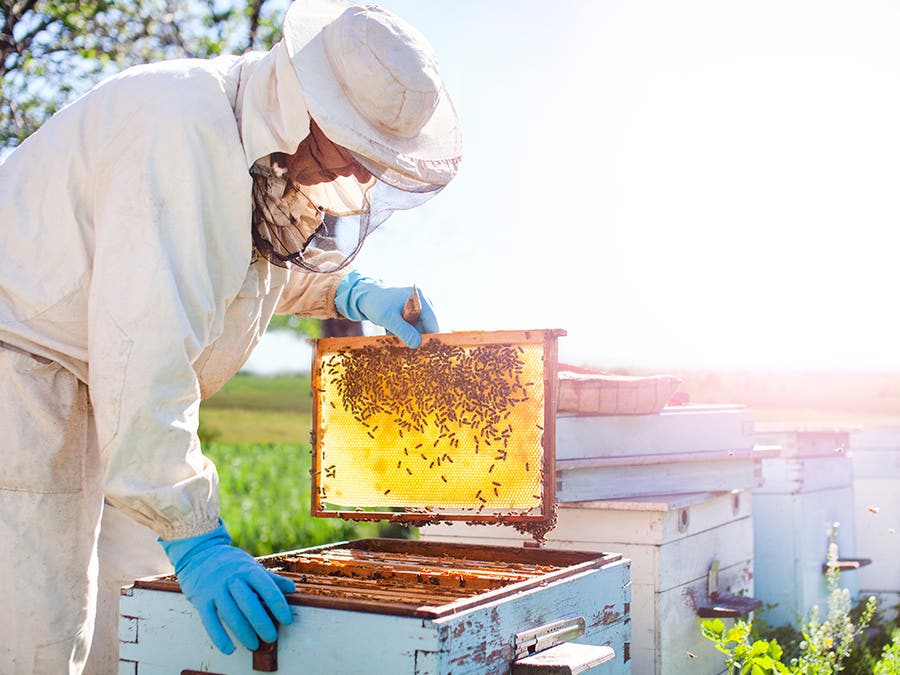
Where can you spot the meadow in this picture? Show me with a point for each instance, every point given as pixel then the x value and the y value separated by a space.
pixel 256 430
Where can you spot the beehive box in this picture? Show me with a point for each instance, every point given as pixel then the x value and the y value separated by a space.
pixel 672 542
pixel 876 507
pixel 395 606
pixel 682 450
pixel 807 489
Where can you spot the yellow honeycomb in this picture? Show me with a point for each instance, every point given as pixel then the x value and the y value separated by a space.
pixel 449 426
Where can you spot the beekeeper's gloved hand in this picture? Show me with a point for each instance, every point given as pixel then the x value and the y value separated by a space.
pixel 359 298
pixel 227 586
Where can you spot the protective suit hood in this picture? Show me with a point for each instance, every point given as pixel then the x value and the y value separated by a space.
pixel 270 108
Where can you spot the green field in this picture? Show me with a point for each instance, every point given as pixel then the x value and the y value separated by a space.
pixel 256 430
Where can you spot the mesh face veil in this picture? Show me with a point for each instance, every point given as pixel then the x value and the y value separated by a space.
pixel 321 227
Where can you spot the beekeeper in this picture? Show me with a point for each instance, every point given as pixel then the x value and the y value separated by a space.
pixel 148 232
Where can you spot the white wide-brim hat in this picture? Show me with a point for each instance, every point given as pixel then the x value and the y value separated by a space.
pixel 372 85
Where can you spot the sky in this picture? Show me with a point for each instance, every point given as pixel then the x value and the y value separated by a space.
pixel 691 184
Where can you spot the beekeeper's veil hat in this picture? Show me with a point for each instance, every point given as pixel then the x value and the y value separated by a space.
pixel 371 83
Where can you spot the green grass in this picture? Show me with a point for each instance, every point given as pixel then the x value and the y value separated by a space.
pixel 265 499
pixel 250 409
pixel 254 426
pixel 256 430
pixel 249 392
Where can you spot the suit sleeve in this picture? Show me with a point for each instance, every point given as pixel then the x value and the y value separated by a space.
pixel 311 294
pixel 172 244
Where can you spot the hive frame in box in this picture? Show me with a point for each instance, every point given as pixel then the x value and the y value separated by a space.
pixel 537 523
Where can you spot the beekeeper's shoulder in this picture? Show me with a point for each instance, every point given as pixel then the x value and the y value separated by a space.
pixel 184 96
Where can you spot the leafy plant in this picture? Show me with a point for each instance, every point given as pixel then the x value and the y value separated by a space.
pixel 889 663
pixel 825 645
pixel 54 50
pixel 743 657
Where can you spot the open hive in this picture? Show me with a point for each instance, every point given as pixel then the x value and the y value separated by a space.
pixel 461 428
pixel 415 578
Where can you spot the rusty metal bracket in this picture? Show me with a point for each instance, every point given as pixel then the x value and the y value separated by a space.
pixel 549 635
pixel 723 605
pixel 842 564
pixel 265 659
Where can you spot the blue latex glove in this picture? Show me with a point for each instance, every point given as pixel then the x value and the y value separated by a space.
pixel 359 298
pixel 228 586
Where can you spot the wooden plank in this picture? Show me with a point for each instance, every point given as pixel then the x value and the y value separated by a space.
pixel 688 559
pixel 677 516
pixel 637 480
pixel 805 442
pixel 807 474
pixel 459 338
pixel 461 550
pixel 682 429
pixel 548 438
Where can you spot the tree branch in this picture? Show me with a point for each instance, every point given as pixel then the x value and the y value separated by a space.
pixel 255 12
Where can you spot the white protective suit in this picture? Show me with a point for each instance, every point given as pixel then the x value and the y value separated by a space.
pixel 128 291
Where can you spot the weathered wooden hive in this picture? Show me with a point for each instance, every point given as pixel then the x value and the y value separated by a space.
pixel 461 429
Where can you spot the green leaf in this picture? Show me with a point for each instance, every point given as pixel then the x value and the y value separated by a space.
pixel 763 662
pixel 759 647
pixel 714 625
pixel 737 633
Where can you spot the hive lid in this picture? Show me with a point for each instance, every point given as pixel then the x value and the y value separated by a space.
pixel 462 428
